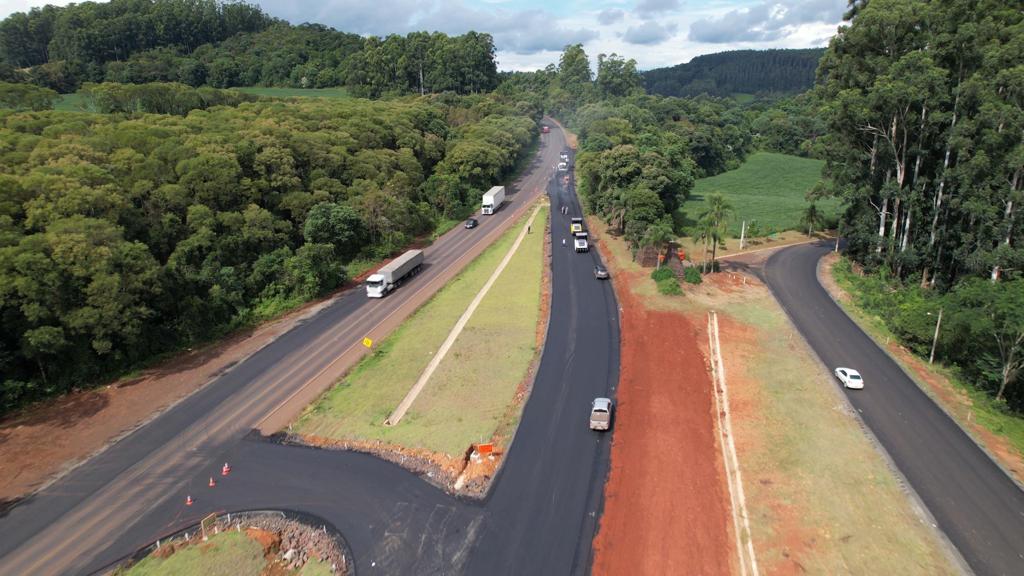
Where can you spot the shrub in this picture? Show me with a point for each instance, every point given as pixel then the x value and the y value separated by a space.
pixel 692 275
pixel 669 287
pixel 663 274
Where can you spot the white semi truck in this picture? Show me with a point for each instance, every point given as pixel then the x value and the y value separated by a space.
pixel 492 200
pixel 391 275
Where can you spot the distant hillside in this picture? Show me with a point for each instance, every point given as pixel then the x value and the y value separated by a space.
pixel 740 71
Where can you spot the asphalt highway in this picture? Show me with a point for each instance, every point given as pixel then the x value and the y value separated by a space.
pixel 974 502
pixel 539 518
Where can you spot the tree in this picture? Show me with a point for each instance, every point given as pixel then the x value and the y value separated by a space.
pixel 659 235
pixel 714 222
pixel 993 312
pixel 811 217
pixel 617 76
pixel 574 74
pixel 335 224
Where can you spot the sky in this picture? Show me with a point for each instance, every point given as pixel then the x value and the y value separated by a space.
pixel 530 34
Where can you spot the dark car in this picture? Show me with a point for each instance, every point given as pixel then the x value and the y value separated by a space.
pixel 600 272
pixel 471 223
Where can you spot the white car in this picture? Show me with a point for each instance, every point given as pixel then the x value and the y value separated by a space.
pixel 850 378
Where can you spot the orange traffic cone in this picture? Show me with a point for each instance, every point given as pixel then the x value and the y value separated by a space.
pixel 225 470
pixel 212 482
pixel 188 500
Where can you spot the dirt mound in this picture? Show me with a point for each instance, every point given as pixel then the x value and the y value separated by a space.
pixel 270 541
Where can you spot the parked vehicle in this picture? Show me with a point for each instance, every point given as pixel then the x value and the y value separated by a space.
pixel 581 242
pixel 394 273
pixel 575 225
pixel 472 223
pixel 600 272
pixel 492 200
pixel 601 414
pixel 850 378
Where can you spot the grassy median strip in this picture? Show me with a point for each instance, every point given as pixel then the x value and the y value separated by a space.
pixel 468 395
pixel 808 469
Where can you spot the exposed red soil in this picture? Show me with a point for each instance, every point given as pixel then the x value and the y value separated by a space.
pixel 953 399
pixel 666 505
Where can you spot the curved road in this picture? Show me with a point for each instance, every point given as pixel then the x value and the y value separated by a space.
pixel 539 518
pixel 980 509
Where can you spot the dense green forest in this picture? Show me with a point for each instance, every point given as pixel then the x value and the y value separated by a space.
pixel 923 107
pixel 126 235
pixel 639 155
pixel 224 45
pixel 738 71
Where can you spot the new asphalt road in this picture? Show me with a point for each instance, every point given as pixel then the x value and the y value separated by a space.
pixel 539 518
pixel 980 509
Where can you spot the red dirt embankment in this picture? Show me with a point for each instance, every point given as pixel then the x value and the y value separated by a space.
pixel 666 508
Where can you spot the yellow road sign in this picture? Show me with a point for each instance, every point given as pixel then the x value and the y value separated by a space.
pixel 367 342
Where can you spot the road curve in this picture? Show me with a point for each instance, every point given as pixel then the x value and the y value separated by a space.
pixel 977 506
pixel 546 500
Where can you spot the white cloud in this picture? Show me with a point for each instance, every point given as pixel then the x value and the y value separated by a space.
pixel 649 32
pixel 647 8
pixel 610 16
pixel 765 21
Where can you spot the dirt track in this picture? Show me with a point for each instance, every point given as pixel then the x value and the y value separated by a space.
pixel 666 506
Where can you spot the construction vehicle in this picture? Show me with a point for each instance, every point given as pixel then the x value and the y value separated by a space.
pixel 575 225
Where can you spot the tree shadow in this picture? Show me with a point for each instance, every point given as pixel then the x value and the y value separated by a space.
pixel 63 412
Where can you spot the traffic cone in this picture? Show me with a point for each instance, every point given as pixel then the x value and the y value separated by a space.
pixel 212 482
pixel 188 500
pixel 225 470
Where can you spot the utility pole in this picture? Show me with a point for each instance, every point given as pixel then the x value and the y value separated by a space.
pixel 839 231
pixel 935 339
pixel 743 233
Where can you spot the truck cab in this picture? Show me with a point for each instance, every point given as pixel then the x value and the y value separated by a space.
pixel 376 286
pixel 575 225
pixel 581 242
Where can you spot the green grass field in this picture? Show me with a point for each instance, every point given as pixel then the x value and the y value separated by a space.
pixel 337 92
pixel 226 554
pixel 467 398
pixel 769 188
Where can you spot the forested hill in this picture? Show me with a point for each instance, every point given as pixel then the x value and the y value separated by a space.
pixel 739 71
pixel 223 45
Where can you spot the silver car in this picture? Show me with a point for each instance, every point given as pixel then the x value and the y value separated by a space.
pixel 601 414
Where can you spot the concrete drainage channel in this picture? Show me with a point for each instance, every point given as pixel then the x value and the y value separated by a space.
pixel 741 522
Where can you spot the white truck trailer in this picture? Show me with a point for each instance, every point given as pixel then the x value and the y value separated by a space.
pixel 394 273
pixel 492 200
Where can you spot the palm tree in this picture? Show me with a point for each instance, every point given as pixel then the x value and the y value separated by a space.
pixel 713 222
pixel 811 217
pixel 701 234
pixel 658 235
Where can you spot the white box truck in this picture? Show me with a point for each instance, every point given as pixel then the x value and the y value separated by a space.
pixel 492 200
pixel 391 275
